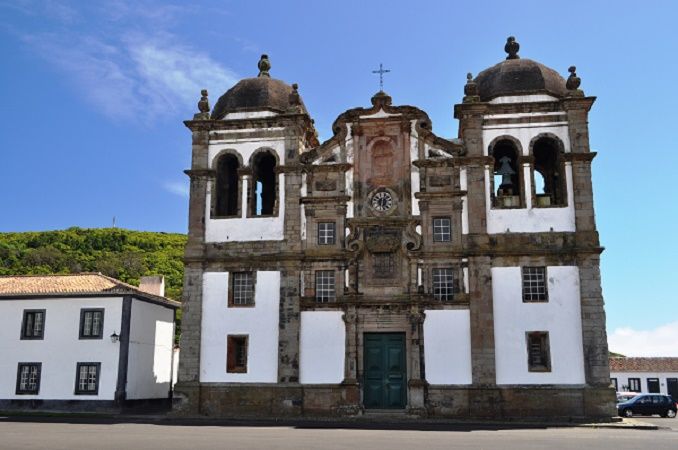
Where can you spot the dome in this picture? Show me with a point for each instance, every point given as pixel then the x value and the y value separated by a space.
pixel 516 76
pixel 260 93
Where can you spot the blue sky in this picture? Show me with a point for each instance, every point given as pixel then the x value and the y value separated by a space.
pixel 94 94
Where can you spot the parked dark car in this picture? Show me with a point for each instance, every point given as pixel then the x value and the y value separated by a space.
pixel 647 405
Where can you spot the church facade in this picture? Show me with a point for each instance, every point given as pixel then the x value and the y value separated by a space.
pixel 388 268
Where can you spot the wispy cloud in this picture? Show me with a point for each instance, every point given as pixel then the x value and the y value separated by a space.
pixel 660 341
pixel 126 74
pixel 177 188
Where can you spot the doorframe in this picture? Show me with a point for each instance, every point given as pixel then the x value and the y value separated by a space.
pixel 361 360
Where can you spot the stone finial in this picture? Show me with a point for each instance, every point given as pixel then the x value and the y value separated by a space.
pixel 264 66
pixel 381 99
pixel 573 81
pixel 203 106
pixel 470 90
pixel 295 99
pixel 512 48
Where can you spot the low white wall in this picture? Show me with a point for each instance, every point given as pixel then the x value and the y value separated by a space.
pixel 623 380
pixel 61 349
pixel 560 316
pixel 259 322
pixel 447 346
pixel 149 366
pixel 322 347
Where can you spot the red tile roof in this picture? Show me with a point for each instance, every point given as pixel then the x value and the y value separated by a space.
pixel 82 283
pixel 659 364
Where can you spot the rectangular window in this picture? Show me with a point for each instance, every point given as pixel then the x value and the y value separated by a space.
pixel 242 289
pixel 324 286
pixel 236 354
pixel 28 378
pixel 634 384
pixel 443 284
pixel 534 284
pixel 613 382
pixel 87 378
pixel 91 323
pixel 653 385
pixel 538 357
pixel 326 233
pixel 442 229
pixel 33 325
pixel 384 265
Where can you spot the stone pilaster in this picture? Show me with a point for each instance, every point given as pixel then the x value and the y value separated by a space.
pixel 596 364
pixel 289 327
pixel 350 318
pixel 417 382
pixel 482 321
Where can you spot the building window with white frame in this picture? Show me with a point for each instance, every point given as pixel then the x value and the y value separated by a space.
pixel 442 229
pixel 326 233
pixel 33 324
pixel 325 286
pixel 534 284
pixel 91 323
pixel 242 289
pixel 634 384
pixel 28 378
pixel 443 284
pixel 87 378
pixel 538 351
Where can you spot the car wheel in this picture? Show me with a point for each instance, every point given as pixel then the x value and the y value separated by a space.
pixel 670 413
pixel 627 413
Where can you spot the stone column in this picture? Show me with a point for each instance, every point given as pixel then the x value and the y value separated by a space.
pixel 289 327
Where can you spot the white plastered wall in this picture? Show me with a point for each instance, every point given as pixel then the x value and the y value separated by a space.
pixel 246 229
pixel 447 346
pixel 529 219
pixel 322 347
pixel 259 322
pixel 623 380
pixel 348 180
pixel 463 185
pixel 61 349
pixel 560 317
pixel 149 366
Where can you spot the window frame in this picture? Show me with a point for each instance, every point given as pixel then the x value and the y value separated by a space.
pixel 527 290
pixel 448 296
pixel 637 381
pixel 449 231
pixel 232 365
pixel 231 289
pixel 81 333
pixel 319 298
pixel 334 233
pixel 378 266
pixel 615 383
pixel 545 350
pixel 26 312
pixel 79 391
pixel 20 391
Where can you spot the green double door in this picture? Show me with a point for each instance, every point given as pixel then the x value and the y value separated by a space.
pixel 385 374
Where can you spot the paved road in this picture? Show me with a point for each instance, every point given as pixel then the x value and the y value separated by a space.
pixel 660 422
pixel 132 436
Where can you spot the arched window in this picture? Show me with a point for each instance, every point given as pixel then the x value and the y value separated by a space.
pixel 227 186
pixel 507 177
pixel 549 173
pixel 264 185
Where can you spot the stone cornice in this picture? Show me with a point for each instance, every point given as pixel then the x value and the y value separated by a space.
pixel 201 173
pixel 333 167
pixel 586 157
pixel 584 103
pixel 336 199
pixel 439 194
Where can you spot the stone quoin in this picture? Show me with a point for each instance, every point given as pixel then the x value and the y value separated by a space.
pixel 388 267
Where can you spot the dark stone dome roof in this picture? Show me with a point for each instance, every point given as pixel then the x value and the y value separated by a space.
pixel 519 77
pixel 252 94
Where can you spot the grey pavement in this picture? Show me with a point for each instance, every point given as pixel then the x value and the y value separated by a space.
pixel 102 435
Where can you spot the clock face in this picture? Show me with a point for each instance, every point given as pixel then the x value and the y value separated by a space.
pixel 382 201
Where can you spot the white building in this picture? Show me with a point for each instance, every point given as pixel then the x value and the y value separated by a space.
pixel 646 375
pixel 84 341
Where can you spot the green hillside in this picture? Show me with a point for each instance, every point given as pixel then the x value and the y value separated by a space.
pixel 123 254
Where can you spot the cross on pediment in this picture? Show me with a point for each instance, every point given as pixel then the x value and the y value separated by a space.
pixel 381 73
